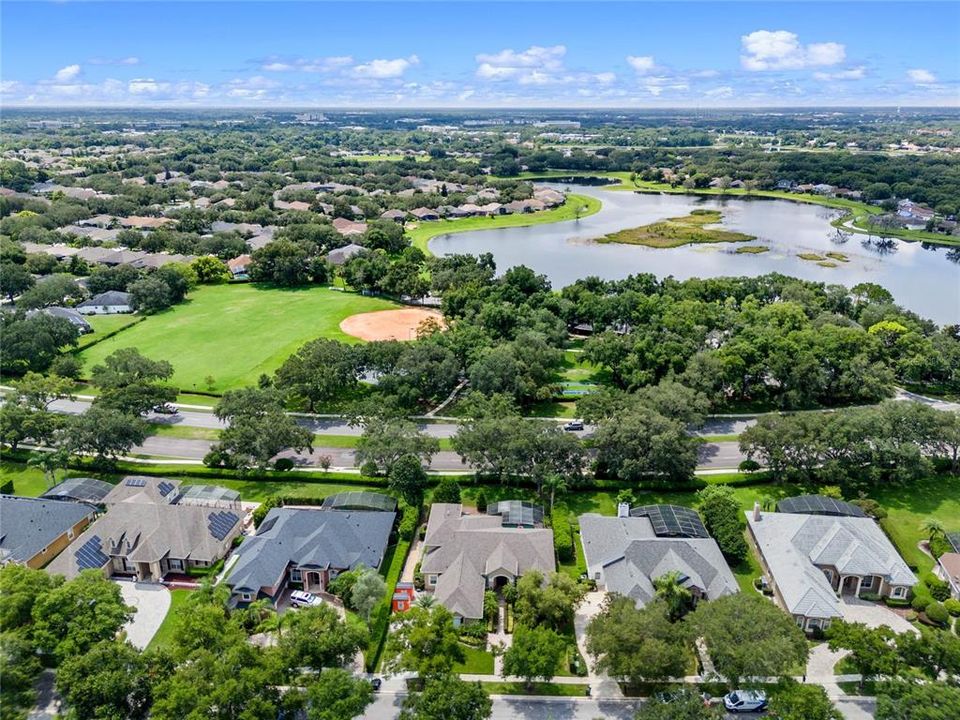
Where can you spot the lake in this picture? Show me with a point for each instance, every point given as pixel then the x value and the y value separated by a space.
pixel 923 278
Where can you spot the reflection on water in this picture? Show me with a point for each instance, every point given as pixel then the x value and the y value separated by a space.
pixel 924 278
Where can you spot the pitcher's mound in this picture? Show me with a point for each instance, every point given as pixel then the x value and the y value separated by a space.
pixel 388 324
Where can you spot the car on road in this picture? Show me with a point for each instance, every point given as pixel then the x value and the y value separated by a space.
pixel 745 701
pixel 165 409
pixel 574 426
pixel 299 598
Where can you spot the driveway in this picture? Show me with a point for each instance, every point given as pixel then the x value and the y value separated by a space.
pixel 601 684
pixel 152 601
pixel 873 615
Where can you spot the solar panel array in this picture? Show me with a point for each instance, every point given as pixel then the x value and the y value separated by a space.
pixel 221 523
pixel 359 500
pixel 91 555
pixel 135 482
pixel 165 488
pixel 819 505
pixel 517 513
pixel 954 540
pixel 672 520
pixel 80 488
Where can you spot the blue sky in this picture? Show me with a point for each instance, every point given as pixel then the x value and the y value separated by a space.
pixel 493 54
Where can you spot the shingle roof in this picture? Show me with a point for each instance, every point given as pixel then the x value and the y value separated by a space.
pixel 28 525
pixel 310 537
pixel 109 298
pixel 626 555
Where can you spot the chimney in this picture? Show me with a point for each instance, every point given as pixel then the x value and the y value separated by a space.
pixel 623 510
pixel 756 511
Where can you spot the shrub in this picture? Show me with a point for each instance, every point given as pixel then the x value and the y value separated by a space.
pixel 911 615
pixel 473 630
pixel 953 606
pixel 937 613
pixel 722 517
pixel 481 501
pixel 418 582
pixel 283 464
pixel 562 535
pixel 920 601
pixel 447 491
pixel 939 545
pixel 409 519
pixel 871 508
pixel 263 508
pixel 896 602
pixel 369 469
pixel 749 466
pixel 939 589
pixel 870 596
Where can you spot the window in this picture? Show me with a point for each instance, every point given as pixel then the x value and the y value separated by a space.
pixel 432 579
pixel 898 592
pixel 867 583
pixel 246 597
pixel 296 576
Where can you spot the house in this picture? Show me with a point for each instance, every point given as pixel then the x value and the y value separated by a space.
pixel 466 555
pixel 493 208
pixel 516 206
pixel 96 255
pixel 449 211
pixel 786 185
pixel 238 266
pixel 220 226
pixel 297 205
pixel 138 222
pixel 91 232
pixel 823 189
pixel 395 215
pixel 425 214
pixel 341 255
pixel 471 209
pixel 348 228
pixel 549 196
pixel 948 570
pixel 626 554
pixel 403 597
pixel 107 303
pixel 71 316
pixel 33 531
pixel 307 548
pixel 813 560
pixel 147 533
pixel 81 489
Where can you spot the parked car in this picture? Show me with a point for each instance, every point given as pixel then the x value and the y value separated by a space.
pixel 165 409
pixel 376 683
pixel 299 598
pixel 574 426
pixel 745 701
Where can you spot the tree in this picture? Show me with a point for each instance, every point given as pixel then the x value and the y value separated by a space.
pixel 536 652
pixel 678 599
pixel 319 372
pixel 19 667
pixel 76 615
pixel 51 290
pixel 367 591
pixel 901 700
pixel 793 701
pixel 748 636
pixel 932 651
pixel 38 391
pixel 258 428
pixel 32 343
pixel 446 491
pixel 210 270
pixel 16 279
pixel 409 479
pixel 107 681
pixel 317 638
pixel 685 704
pixel 447 697
pixel 643 442
pixel 131 383
pixel 151 294
pixel 871 650
pixel 20 588
pixel 386 440
pixel 637 644
pixel 722 518
pixel 426 642
pixel 932 528
pixel 337 695
pixel 104 432
pixel 551 603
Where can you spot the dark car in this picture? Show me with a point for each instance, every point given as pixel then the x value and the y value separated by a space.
pixel 574 426
pixel 376 682
pixel 165 409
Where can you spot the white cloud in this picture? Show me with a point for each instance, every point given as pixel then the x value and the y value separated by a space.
pixel 782 50
pixel 641 63
pixel 380 69
pixel 66 74
pixel 130 60
pixel 921 76
pixel 705 74
pixel 724 91
pixel 319 65
pixel 605 78
pixel 855 73
pixel 536 65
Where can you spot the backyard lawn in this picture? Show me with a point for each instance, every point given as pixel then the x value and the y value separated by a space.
pixel 165 631
pixel 477 661
pixel 231 334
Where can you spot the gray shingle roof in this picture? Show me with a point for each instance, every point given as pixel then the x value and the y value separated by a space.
pixel 109 298
pixel 626 556
pixel 28 525
pixel 310 538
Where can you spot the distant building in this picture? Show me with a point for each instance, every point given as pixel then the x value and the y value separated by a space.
pixel 341 255
pixel 111 302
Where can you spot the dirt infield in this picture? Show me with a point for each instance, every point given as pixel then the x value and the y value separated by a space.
pixel 388 324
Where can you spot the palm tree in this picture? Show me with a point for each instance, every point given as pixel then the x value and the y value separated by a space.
pixel 555 484
pixel 677 598
pixel 425 601
pixel 49 463
pixel 933 528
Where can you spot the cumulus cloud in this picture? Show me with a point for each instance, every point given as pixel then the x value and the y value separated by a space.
pixel 855 73
pixel 782 50
pixel 641 63
pixel 66 74
pixel 380 69
pixel 921 76
pixel 724 91
pixel 129 60
pixel 318 65
pixel 535 65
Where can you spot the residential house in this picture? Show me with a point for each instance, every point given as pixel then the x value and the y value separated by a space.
pixel 948 570
pixel 91 232
pixel 340 255
pixel 148 533
pixel 451 212
pixel 813 560
pixel 307 548
pixel 96 255
pixel 220 226
pixel 425 214
pixel 81 489
pixel 33 531
pixel 71 316
pixel 138 222
pixel 238 267
pixel 395 215
pixel 628 553
pixel 549 196
pixel 466 555
pixel 111 302
pixel 348 228
pixel 824 189
pixel 297 205
pixel 493 208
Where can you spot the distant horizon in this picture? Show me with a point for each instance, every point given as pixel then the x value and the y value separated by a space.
pixel 489 56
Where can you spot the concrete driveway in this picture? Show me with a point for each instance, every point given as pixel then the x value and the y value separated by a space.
pixel 601 684
pixel 873 615
pixel 152 602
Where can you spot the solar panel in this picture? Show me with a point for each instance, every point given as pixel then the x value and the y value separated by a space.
pixel 91 555
pixel 221 523
pixel 819 505
pixel 135 482
pixel 954 540
pixel 517 513
pixel 165 488
pixel 672 520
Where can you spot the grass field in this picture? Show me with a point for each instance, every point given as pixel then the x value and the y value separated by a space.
pixel 231 334
pixel 476 661
pixel 103 324
pixel 678 231
pixel 165 631
pixel 421 235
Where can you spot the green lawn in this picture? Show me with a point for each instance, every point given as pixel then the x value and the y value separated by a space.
pixel 103 324
pixel 29 481
pixel 540 688
pixel 165 631
pixel 420 235
pixel 476 661
pixel 234 333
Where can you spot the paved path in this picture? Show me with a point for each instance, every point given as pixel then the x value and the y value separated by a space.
pixel 152 602
pixel 601 684
pixel 820 666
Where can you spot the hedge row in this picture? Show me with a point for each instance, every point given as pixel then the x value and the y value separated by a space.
pixel 562 535
pixel 107 336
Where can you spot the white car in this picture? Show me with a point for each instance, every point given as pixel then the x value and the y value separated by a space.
pixel 299 598
pixel 745 701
